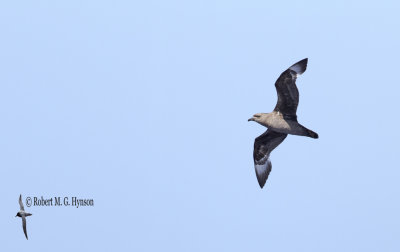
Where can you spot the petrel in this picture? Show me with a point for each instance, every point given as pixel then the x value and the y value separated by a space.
pixel 23 214
pixel 280 122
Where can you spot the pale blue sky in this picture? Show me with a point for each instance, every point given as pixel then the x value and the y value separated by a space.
pixel 143 106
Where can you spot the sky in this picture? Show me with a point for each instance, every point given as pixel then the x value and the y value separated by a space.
pixel 142 106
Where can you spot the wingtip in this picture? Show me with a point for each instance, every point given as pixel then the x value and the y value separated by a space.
pixel 262 177
pixel 262 172
pixel 261 182
pixel 300 67
pixel 302 62
pixel 313 134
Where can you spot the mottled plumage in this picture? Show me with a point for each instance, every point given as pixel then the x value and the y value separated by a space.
pixel 23 215
pixel 280 122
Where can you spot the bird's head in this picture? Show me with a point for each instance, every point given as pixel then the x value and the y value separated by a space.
pixel 256 117
pixel 17 214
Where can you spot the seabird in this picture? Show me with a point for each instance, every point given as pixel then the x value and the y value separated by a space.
pixel 280 122
pixel 23 214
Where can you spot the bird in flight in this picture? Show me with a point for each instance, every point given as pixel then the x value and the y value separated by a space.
pixel 23 214
pixel 280 122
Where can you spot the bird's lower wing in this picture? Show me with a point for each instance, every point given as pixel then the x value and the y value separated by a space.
pixel 24 226
pixel 263 145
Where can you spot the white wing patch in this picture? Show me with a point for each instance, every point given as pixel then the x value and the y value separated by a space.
pixel 297 68
pixel 262 170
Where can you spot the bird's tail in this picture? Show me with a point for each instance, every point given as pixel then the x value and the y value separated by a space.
pixel 307 132
pixel 312 134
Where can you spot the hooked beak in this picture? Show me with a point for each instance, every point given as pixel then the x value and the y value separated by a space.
pixel 251 119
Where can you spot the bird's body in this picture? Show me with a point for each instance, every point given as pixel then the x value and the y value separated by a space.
pixel 280 122
pixel 276 122
pixel 23 215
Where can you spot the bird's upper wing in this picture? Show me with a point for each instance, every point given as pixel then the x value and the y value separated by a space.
pixel 24 226
pixel 263 145
pixel 288 95
pixel 21 205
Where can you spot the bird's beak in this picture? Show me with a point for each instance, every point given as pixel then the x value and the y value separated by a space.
pixel 251 119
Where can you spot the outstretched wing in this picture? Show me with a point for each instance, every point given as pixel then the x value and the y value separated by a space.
pixel 288 94
pixel 263 145
pixel 21 206
pixel 24 226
